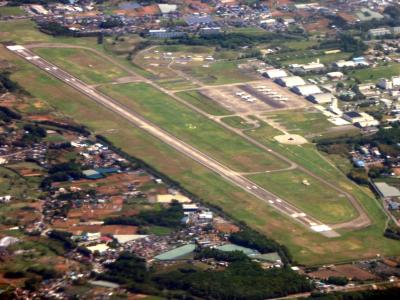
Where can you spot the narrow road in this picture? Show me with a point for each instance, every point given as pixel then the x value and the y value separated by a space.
pixel 362 220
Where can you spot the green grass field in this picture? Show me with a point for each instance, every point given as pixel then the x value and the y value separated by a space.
pixel 204 103
pixel 11 183
pixel 11 11
pixel 307 247
pixel 373 74
pixel 82 64
pixel 193 128
pixel 237 122
pixel 222 72
pixel 176 84
pixel 316 199
pixel 301 122
pixel 301 58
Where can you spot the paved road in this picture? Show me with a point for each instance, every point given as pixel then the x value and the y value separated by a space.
pixel 202 158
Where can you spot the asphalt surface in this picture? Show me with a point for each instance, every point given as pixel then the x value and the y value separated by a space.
pixel 137 120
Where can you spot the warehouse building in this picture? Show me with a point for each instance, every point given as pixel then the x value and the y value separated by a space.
pixel 290 81
pixel 386 191
pixel 307 90
pixel 321 98
pixel 275 73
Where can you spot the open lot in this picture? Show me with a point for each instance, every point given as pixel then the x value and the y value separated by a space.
pixel 206 104
pixel 307 193
pixel 307 247
pixel 254 97
pixel 218 72
pixel 83 64
pixel 373 74
pixel 193 128
pixel 303 122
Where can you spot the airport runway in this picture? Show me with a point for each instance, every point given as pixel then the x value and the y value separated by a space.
pixel 200 157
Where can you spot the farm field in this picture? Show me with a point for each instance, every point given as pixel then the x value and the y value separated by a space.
pixel 310 195
pixel 193 128
pixel 204 103
pixel 307 247
pixel 82 64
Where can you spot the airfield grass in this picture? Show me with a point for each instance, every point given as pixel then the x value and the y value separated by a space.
pixel 221 72
pixel 307 247
pixel 237 122
pixel 82 64
pixel 192 127
pixel 301 122
pixel 177 83
pixel 316 199
pixel 204 103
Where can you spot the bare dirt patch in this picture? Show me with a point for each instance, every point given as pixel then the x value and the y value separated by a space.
pixel 291 139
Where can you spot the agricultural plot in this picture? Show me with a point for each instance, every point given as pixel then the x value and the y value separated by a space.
pixel 82 64
pixel 193 128
pixel 308 194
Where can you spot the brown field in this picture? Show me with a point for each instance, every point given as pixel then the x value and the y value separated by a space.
pixel 349 271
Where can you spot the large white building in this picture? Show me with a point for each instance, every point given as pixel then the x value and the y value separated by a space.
pixel 307 90
pixel 275 73
pixel 321 98
pixel 290 81
pixel 360 118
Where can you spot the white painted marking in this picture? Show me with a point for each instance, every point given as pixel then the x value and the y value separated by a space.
pixel 321 228
pixel 16 48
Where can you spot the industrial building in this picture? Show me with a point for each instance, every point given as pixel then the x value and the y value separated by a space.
pixel 360 119
pixel 321 98
pixel 306 90
pixel 275 73
pixel 305 68
pixel 386 191
pixel 290 81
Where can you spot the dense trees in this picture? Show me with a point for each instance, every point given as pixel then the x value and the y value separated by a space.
pixel 7 85
pixel 243 279
pixel 252 239
pixel 219 255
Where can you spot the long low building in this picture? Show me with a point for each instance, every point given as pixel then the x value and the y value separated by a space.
pixel 307 90
pixel 275 73
pixel 290 81
pixel 321 98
